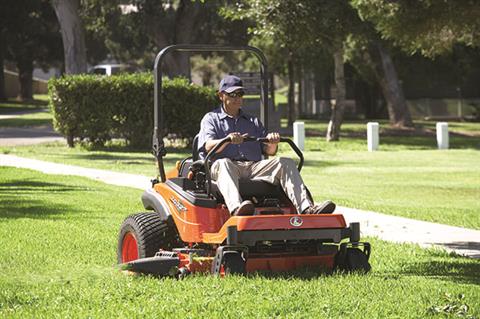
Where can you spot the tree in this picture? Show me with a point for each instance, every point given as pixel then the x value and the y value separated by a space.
pixel 73 35
pixel 424 26
pixel 3 95
pixel 150 25
pixel 370 56
pixel 304 29
pixel 279 29
pixel 28 34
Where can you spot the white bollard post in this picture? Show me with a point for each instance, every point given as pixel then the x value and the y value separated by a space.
pixel 442 135
pixel 299 135
pixel 372 136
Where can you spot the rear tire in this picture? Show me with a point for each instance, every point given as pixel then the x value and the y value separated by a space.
pixel 142 235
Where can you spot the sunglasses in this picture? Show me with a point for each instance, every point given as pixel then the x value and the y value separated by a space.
pixel 235 94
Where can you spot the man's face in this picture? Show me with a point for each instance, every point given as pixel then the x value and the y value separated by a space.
pixel 232 100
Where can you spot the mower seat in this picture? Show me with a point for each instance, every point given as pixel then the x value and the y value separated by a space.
pixel 248 188
pixel 253 188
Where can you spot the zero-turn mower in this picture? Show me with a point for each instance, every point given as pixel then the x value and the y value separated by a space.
pixel 189 229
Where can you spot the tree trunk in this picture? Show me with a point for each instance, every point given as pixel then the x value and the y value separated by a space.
pixel 336 118
pixel 272 88
pixel 73 35
pixel 322 93
pixel 25 73
pixel 70 140
pixel 171 65
pixel 291 92
pixel 382 65
pixel 184 20
pixel 300 101
pixel 3 94
pixel 187 18
pixel 397 106
pixel 366 96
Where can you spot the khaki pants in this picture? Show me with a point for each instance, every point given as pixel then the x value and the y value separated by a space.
pixel 276 171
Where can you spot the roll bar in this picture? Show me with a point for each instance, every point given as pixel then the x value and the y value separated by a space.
pixel 158 146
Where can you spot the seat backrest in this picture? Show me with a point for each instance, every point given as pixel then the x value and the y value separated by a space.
pixel 195 148
pixel 185 167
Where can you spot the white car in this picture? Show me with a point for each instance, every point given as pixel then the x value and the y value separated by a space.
pixel 110 69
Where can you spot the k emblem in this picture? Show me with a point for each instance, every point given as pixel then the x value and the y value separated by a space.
pixel 296 221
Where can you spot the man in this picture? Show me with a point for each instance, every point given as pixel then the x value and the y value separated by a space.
pixel 237 159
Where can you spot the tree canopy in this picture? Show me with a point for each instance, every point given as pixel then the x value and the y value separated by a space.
pixel 29 32
pixel 427 26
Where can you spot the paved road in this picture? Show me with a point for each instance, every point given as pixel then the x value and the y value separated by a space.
pixel 392 228
pixel 11 136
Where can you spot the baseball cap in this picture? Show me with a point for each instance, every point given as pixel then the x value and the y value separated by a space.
pixel 230 83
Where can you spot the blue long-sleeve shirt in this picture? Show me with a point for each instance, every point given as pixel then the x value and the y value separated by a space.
pixel 217 124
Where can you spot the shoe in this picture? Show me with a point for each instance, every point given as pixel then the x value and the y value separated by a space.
pixel 246 208
pixel 327 207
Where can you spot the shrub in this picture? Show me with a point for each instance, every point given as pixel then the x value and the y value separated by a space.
pixel 98 108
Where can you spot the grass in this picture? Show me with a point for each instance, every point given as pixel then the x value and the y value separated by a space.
pixel 29 119
pixel 58 257
pixel 114 157
pixel 30 113
pixel 435 186
pixel 407 177
pixel 39 101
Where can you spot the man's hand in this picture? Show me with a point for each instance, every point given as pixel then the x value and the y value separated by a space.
pixel 273 138
pixel 236 138
pixel 272 145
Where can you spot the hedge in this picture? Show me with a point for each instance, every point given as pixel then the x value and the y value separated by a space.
pixel 96 108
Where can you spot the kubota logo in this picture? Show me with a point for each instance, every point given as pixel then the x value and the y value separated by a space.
pixel 178 204
pixel 296 221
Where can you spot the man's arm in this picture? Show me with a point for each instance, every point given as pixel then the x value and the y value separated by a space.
pixel 236 138
pixel 272 146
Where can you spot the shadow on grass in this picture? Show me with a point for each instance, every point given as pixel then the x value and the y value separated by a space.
pixel 421 137
pixel 11 207
pixel 11 109
pixel 112 157
pixel 24 103
pixel 430 143
pixel 22 122
pixel 14 205
pixel 40 187
pixel 324 164
pixel 127 160
pixel 138 158
pixel 463 245
pixel 444 266
pixel 457 141
pixel 13 106
pixel 122 147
